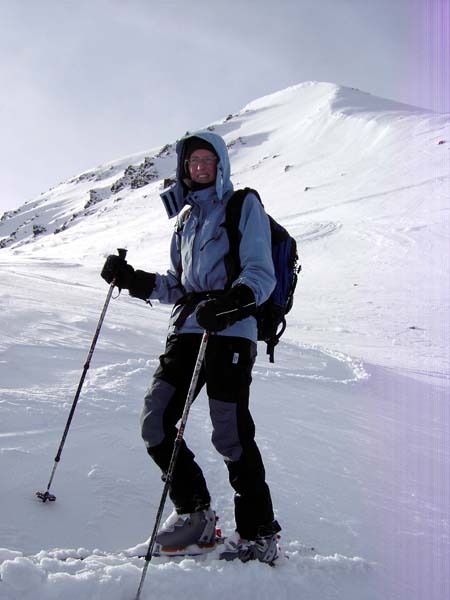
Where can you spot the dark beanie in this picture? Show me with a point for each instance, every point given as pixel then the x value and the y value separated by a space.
pixel 196 143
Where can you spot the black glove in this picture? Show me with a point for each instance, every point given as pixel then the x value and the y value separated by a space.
pixel 118 269
pixel 139 283
pixel 219 313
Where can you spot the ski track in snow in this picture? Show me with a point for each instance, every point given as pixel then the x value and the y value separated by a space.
pixel 106 398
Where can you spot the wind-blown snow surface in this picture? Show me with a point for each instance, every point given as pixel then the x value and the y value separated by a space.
pixel 352 419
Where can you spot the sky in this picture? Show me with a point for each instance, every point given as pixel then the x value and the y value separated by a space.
pixel 89 81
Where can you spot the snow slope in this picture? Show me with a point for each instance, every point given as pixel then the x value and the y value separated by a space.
pixel 352 419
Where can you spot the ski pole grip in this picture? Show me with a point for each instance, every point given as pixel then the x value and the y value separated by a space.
pixel 122 252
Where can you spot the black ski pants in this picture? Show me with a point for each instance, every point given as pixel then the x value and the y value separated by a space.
pixel 226 371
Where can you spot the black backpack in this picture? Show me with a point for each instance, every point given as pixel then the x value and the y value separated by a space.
pixel 271 315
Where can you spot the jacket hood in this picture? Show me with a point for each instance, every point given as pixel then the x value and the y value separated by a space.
pixel 174 197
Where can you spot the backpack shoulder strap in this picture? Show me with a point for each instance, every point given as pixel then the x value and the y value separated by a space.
pixel 232 219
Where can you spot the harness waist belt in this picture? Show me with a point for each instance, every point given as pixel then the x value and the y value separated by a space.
pixel 190 301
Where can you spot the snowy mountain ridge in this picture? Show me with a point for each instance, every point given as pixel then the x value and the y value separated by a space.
pixel 65 205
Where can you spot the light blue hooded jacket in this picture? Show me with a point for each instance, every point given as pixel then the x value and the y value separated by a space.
pixel 199 246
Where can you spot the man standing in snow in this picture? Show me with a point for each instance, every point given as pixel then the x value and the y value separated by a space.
pixel 197 282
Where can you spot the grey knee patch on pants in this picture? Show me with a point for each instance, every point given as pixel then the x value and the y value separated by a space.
pixel 225 435
pixel 156 401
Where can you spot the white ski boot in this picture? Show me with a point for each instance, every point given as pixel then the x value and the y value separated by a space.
pixel 187 534
pixel 262 548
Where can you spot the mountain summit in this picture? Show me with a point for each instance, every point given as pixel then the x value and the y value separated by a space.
pixel 292 135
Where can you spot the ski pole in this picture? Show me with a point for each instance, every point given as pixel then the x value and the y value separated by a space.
pixel 44 496
pixel 173 459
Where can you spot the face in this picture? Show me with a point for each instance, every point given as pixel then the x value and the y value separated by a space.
pixel 202 166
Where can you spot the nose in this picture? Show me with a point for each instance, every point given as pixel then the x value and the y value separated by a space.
pixel 202 164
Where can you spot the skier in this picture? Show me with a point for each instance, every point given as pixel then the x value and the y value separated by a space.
pixel 197 284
